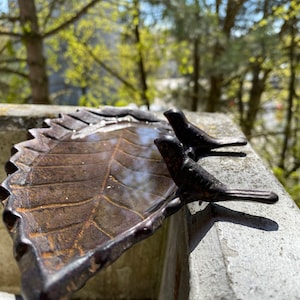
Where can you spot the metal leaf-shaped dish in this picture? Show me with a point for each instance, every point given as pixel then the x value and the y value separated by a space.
pixel 80 193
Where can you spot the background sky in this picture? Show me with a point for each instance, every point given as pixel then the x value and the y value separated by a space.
pixel 3 6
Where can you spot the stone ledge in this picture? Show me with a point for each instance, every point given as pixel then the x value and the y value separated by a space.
pixel 233 250
pixel 243 250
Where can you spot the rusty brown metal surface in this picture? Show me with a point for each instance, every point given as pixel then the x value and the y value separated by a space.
pixel 81 192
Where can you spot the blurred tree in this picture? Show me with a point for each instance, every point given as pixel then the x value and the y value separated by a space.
pixel 233 56
pixel 189 26
pixel 33 41
pixel 262 40
pixel 279 144
pixel 112 54
pixel 226 24
pixel 249 66
pixel 22 27
pixel 288 167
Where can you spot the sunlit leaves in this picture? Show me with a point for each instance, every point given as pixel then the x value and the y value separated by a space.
pixel 13 81
pixel 98 55
pixel 292 185
pixel 103 57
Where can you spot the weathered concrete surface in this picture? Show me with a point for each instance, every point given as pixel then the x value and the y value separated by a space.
pixel 7 296
pixel 243 250
pixel 175 276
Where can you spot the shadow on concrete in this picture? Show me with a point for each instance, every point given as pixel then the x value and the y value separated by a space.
pixel 201 222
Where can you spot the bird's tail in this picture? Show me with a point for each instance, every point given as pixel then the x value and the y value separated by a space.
pixel 226 142
pixel 249 195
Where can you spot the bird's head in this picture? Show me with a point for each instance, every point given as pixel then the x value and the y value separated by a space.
pixel 173 153
pixel 175 117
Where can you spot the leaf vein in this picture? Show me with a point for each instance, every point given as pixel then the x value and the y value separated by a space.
pixel 123 207
pixel 54 205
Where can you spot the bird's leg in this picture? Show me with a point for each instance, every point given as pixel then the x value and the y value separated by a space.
pixel 186 195
pixel 190 152
pixel 266 197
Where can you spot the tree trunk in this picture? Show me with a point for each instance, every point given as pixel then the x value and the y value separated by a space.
pixel 141 65
pixel 291 94
pixel 196 60
pixel 241 107
pixel 257 89
pixel 195 95
pixel 216 80
pixel 215 93
pixel 34 47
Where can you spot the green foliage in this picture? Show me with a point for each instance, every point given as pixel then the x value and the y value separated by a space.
pixel 291 183
pixel 13 87
pixel 245 49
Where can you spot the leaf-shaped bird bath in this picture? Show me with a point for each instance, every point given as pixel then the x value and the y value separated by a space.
pixel 85 189
pixel 95 182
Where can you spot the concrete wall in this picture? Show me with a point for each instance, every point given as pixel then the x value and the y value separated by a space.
pixel 233 250
pixel 243 250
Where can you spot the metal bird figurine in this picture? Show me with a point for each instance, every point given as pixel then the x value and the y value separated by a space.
pixel 195 183
pixel 197 141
